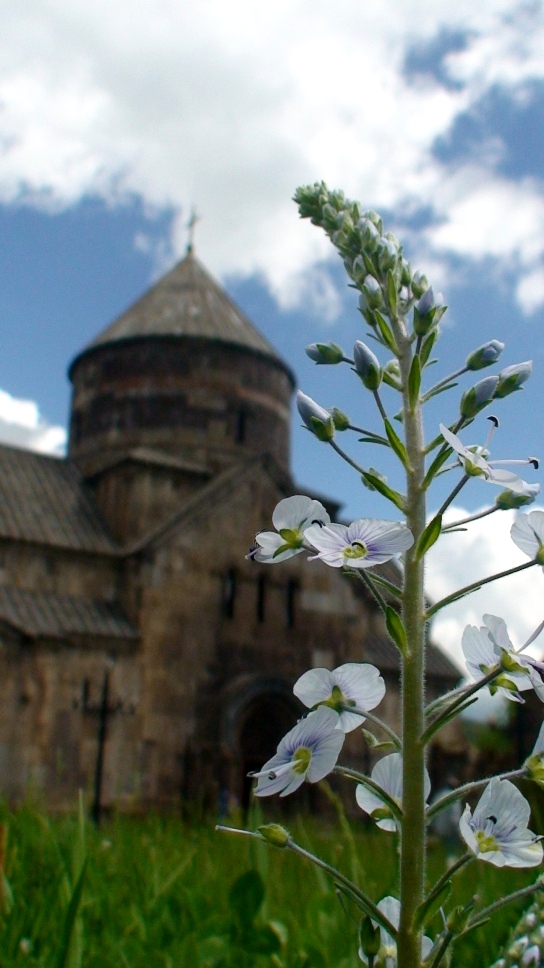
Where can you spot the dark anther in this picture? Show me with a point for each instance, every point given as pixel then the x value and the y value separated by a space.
pixel 320 523
pixel 492 818
pixel 535 462
pixel 494 420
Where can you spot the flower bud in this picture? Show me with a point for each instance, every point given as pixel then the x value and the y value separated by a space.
pixel 512 378
pixel 509 501
pixel 369 938
pixel 485 355
pixel 428 311
pixel 365 310
pixel 315 418
pixel 391 374
pixel 406 273
pixel 369 234
pixel 367 365
pixel 274 834
pixel 340 420
pixel 372 292
pixel 387 254
pixel 325 352
pixel 535 769
pixel 457 919
pixel 375 219
pixel 420 284
pixel 478 397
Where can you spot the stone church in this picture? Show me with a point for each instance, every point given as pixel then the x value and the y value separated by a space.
pixel 141 655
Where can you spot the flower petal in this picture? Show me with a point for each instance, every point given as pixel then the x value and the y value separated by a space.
pixel 361 682
pixel 314 686
pixel 527 532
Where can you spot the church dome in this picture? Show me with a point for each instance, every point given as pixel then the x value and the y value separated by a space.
pixel 183 371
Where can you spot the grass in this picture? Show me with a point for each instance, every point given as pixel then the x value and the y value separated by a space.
pixel 162 893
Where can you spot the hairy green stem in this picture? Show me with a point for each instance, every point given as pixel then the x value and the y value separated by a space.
pixel 371 784
pixel 444 382
pixel 446 801
pixel 472 517
pixel 378 722
pixel 488 911
pixel 345 456
pixel 412 846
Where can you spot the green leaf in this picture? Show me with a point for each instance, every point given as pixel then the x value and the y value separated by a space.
pixel 430 535
pixel 397 445
pixel 414 382
pixel 65 958
pixel 431 906
pixel 397 499
pixel 440 459
pixel 395 628
pixel 393 590
pixel 386 333
pixel 374 440
pixel 392 296
pixel 427 346
pixel 445 718
pixel 246 896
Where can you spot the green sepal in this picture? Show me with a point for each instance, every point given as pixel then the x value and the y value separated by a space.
pixel 431 906
pixel 385 333
pixel 397 499
pixel 324 431
pixel 381 813
pixel 430 535
pixel 440 459
pixel 427 346
pixel 414 382
pixel 395 628
pixel 397 445
pixel 369 265
pixel 392 295
pixel 274 834
pixel 457 919
pixel 281 549
pixel 374 440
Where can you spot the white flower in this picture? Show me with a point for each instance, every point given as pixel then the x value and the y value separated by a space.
pixel 353 684
pixel 528 533
pixel 362 544
pixel 475 464
pixel 390 907
pixel 292 517
pixel 498 831
pixel 308 751
pixel 489 648
pixel 388 775
pixel 531 956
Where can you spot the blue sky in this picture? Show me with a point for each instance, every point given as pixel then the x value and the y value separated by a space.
pixel 115 121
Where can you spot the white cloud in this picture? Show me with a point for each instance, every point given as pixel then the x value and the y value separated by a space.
pixel 530 290
pixel 231 106
pixel 21 425
pixel 459 559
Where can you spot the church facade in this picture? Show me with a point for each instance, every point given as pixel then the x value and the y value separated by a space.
pixel 142 657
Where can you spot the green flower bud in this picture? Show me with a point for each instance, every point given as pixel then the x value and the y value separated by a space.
pixel 372 292
pixel 375 219
pixel 367 365
pixel 274 834
pixel 369 938
pixel 458 918
pixel 419 284
pixel 325 352
pixel 478 397
pixel 485 355
pixel 405 273
pixel 512 378
pixel 315 418
pixel 535 769
pixel 340 420
pixel 359 269
pixel 391 374
pixel 387 254
pixel 428 312
pixel 369 234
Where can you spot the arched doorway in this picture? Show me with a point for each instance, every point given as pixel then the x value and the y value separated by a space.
pixel 262 725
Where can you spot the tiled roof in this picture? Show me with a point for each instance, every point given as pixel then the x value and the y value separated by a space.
pixel 56 616
pixel 382 653
pixel 43 500
pixel 187 301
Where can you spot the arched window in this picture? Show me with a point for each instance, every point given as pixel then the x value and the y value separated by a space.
pixel 241 426
pixel 229 593
pixel 261 598
pixel 290 596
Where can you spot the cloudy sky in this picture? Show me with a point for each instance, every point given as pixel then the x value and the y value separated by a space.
pixel 115 119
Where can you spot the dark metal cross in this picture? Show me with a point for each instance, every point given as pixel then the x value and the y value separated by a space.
pixel 191 227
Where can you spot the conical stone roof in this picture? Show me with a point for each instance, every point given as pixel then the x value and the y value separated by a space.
pixel 187 301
